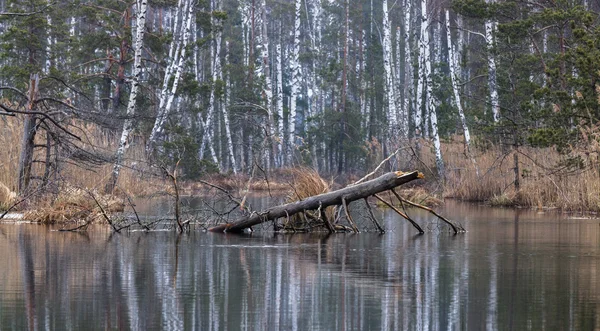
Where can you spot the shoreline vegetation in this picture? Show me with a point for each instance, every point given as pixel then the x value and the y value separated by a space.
pixel 76 192
pixel 228 98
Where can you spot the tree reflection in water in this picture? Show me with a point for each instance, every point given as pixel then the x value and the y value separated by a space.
pixel 512 270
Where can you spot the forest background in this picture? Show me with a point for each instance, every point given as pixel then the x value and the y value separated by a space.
pixel 494 101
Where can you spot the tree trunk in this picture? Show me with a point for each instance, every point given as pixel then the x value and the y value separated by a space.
pixel 423 39
pixel 142 6
pixel 321 201
pixel 452 60
pixel 280 129
pixel 296 73
pixel 225 107
pixel 431 104
pixel 28 140
pixel 207 136
pixel 491 61
pixel 408 70
pixel 268 87
pixel 185 9
pixel 392 117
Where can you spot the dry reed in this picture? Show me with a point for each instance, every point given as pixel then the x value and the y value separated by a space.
pixel 74 204
pixel 6 197
pixel 541 184
pixel 305 183
pixel 136 177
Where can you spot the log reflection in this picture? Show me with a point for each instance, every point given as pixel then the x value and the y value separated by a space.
pixel 512 273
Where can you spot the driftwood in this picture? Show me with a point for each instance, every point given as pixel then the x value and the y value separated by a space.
pixel 320 202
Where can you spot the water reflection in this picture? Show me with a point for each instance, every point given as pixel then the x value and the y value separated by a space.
pixel 511 271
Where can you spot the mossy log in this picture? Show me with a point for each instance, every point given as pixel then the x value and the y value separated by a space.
pixel 348 194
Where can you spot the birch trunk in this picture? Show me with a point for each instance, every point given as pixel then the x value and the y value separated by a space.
pixel 173 72
pixel 141 10
pixel 48 62
pixel 389 76
pixel 408 69
pixel 452 61
pixel 279 130
pixel 315 94
pixel 431 104
pixel 207 136
pixel 244 8
pixel 266 73
pixel 491 62
pixel 296 73
pixel 226 115
pixel 423 39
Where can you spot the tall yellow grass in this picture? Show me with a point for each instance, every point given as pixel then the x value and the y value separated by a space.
pixel 541 185
pixel 305 183
pixel 135 178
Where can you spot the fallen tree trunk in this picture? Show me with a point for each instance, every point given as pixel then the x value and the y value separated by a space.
pixel 348 194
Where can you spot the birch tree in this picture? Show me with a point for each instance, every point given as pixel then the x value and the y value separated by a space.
pixel 431 103
pixel 266 75
pixel 314 92
pixel 452 61
pixel 295 83
pixel 279 130
pixel 389 77
pixel 176 59
pixel 423 40
pixel 408 68
pixel 225 108
pixel 207 136
pixel 141 9
pixel 490 27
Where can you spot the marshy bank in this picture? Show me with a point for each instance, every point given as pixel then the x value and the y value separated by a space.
pixel 517 177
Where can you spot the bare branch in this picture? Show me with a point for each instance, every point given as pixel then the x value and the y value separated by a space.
pixel 10 88
pixel 10 110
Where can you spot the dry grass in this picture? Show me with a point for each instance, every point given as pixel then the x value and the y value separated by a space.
pixel 306 183
pixel 74 204
pixel 10 139
pixel 135 178
pixel 6 197
pixel 541 185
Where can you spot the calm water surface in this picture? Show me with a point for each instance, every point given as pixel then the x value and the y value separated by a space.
pixel 512 270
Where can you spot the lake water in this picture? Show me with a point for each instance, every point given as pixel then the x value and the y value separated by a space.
pixel 512 270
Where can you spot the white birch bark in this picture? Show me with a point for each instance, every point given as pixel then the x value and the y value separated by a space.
pixel 430 99
pixel 398 64
pixel 423 39
pixel 244 8
pixel 48 62
pixel 402 118
pixel 266 73
pixel 389 79
pixel 452 59
pixel 142 6
pixel 491 62
pixel 226 115
pixel 176 54
pixel 363 85
pixel 280 129
pixel 315 94
pixel 408 69
pixel 196 50
pixel 207 136
pixel 296 73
